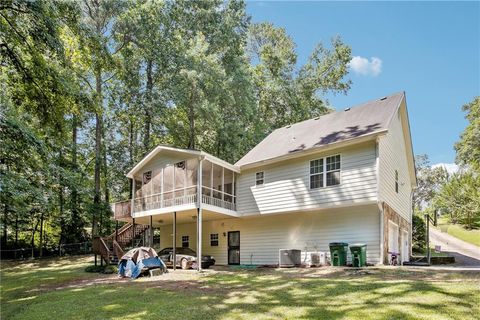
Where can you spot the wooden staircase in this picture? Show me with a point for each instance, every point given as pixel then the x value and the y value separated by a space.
pixel 112 248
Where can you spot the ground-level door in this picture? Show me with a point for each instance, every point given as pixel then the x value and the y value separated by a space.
pixel 234 247
pixel 405 246
pixel 393 238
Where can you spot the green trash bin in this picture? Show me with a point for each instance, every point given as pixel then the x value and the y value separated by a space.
pixel 359 254
pixel 338 253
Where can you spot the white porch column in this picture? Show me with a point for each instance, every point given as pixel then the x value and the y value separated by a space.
pixel 199 239
pixel 174 240
pixel 199 215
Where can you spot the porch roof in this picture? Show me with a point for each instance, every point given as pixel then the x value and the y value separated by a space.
pixel 192 152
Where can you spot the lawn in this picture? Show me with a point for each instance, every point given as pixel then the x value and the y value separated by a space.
pixel 59 289
pixel 470 236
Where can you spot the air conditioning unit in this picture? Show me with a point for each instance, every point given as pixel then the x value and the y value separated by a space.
pixel 289 258
pixel 317 259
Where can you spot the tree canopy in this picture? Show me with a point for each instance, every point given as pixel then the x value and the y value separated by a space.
pixel 88 87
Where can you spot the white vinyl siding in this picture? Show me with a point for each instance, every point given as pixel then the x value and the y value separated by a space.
pixel 392 159
pixel 262 236
pixel 288 186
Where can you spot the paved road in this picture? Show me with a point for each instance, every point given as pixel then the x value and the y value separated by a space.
pixel 466 254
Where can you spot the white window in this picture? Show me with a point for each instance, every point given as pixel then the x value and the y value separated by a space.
pixel 333 170
pixel 185 243
pixel 316 173
pixel 214 239
pixel 325 172
pixel 259 178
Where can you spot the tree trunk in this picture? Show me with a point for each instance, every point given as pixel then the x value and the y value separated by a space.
pixel 61 201
pixel 131 143
pixel 148 107
pixel 98 148
pixel 191 120
pixel 32 241
pixel 5 228
pixel 16 231
pixel 105 185
pixel 74 193
pixel 41 235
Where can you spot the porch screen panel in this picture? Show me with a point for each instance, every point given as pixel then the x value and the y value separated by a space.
pixel 192 173
pixel 157 181
pixel 156 188
pixel 168 185
pixel 217 181
pixel 180 179
pixel 147 183
pixel 206 177
pixel 227 185
pixel 138 187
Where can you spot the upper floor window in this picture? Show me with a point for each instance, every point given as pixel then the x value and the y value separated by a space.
pixel 333 170
pixel 396 181
pixel 259 178
pixel 325 172
pixel 316 173
pixel 185 241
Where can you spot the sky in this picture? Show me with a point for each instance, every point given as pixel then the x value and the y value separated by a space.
pixel 430 50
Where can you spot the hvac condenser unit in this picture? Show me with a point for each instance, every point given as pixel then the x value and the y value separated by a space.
pixel 289 258
pixel 317 259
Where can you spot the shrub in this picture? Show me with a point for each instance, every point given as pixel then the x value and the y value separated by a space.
pixel 419 230
pixel 110 269
pixel 94 269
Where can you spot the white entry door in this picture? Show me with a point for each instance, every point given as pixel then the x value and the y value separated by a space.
pixel 405 246
pixel 392 238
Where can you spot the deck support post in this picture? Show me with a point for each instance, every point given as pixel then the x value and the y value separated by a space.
pixel 116 230
pixel 174 262
pixel 199 239
pixel 199 213
pixel 150 240
pixel 133 232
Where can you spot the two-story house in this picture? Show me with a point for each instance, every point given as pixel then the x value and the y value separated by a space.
pixel 346 176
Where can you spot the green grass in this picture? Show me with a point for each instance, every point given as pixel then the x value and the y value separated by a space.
pixel 470 236
pixel 41 291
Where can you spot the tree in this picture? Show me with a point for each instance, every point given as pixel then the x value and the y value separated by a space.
pixel 429 181
pixel 468 148
pixel 284 95
pixel 460 199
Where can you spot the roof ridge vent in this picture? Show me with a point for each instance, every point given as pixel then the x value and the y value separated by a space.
pixel 384 98
pixel 347 109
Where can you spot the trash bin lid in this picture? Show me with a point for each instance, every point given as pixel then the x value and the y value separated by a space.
pixel 356 245
pixel 340 244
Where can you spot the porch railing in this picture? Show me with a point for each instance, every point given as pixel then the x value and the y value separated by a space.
pixel 218 202
pixel 122 209
pixel 169 199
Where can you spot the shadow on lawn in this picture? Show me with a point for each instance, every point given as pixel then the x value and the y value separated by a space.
pixel 252 294
pixel 273 296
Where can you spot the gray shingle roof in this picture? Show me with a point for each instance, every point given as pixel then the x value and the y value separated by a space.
pixel 370 117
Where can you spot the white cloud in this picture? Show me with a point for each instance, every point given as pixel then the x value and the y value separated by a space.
pixel 365 67
pixel 450 167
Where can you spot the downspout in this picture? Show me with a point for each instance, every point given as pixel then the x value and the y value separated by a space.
pixel 379 202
